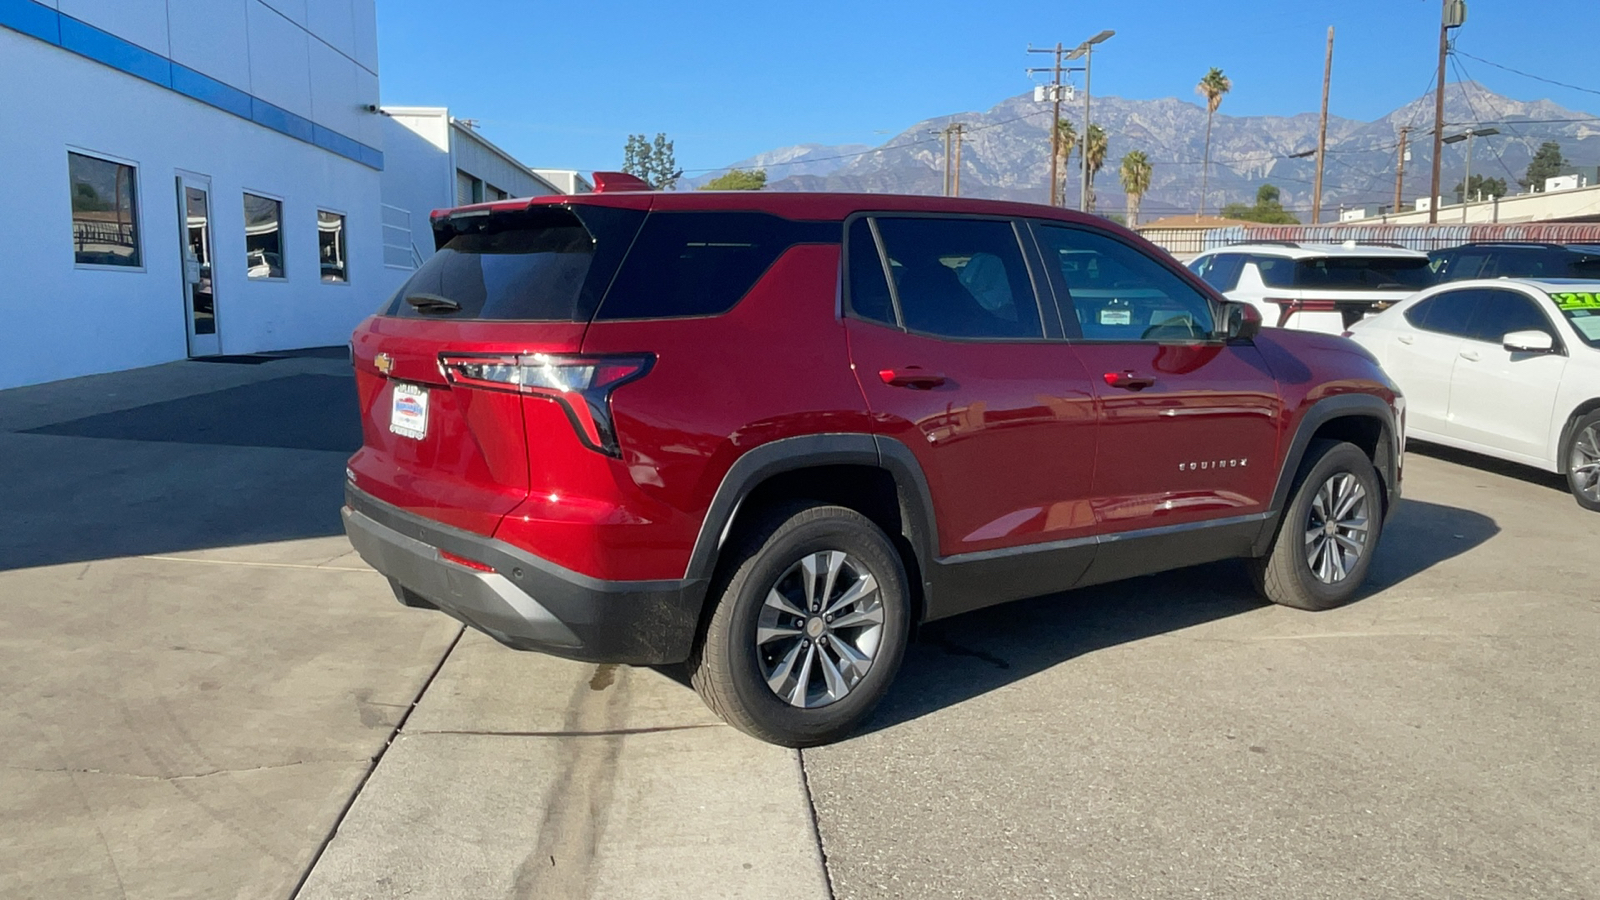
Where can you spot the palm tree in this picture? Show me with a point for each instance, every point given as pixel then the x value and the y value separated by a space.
pixel 1067 138
pixel 1211 87
pixel 1094 155
pixel 1135 173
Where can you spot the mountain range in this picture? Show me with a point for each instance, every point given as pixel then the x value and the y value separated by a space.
pixel 1006 154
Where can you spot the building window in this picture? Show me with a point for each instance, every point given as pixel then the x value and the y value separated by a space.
pixel 263 237
pixel 330 245
pixel 105 212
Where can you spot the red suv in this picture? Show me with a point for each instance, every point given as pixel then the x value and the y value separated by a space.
pixel 768 434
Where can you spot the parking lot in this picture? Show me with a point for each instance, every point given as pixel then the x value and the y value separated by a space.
pixel 206 694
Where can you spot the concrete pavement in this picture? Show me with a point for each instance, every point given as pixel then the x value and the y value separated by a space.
pixel 197 676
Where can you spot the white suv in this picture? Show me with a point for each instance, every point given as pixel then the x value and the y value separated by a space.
pixel 1314 287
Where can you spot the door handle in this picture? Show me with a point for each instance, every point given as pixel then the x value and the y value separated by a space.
pixel 912 377
pixel 1469 355
pixel 1127 380
pixel 1407 339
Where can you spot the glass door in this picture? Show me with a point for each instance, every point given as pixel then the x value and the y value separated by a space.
pixel 199 291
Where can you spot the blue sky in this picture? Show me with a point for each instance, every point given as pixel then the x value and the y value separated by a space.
pixel 562 85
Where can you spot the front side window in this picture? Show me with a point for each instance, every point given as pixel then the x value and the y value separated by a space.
pixel 961 278
pixel 105 212
pixel 263 237
pixel 1501 312
pixel 331 246
pixel 1447 313
pixel 1119 294
pixel 1221 271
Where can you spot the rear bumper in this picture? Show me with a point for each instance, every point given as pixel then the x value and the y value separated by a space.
pixel 525 602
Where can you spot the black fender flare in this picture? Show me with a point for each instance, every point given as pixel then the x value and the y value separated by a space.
pixel 808 451
pixel 1322 412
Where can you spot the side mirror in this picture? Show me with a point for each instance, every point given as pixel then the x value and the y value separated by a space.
pixel 1528 342
pixel 1240 321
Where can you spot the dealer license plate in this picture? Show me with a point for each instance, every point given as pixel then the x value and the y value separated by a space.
pixel 408 417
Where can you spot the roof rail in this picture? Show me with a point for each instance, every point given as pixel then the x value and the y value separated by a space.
pixel 1506 242
pixel 1268 243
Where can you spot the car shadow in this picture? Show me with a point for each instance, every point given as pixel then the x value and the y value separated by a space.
pixel 954 660
pixel 1530 474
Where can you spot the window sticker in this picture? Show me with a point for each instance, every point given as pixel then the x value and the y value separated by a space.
pixel 1588 325
pixel 1576 300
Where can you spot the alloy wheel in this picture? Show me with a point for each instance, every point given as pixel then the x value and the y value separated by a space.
pixel 1337 528
pixel 820 629
pixel 1585 463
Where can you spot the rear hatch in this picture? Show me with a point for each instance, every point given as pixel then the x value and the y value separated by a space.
pixel 506 283
pixel 1350 285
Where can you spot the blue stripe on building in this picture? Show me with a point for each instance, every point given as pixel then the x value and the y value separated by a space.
pixel 39 21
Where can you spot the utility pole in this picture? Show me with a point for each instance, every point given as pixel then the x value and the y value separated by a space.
pixel 1452 15
pixel 945 167
pixel 1055 133
pixel 1322 134
pixel 1400 167
pixel 958 130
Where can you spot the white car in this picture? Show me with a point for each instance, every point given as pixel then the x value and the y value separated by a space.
pixel 1507 368
pixel 1314 287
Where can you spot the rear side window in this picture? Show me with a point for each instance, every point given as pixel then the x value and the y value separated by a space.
pixel 1448 313
pixel 869 288
pixel 961 278
pixel 542 265
pixel 702 263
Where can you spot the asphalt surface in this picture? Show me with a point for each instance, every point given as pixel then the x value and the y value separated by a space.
pixel 204 693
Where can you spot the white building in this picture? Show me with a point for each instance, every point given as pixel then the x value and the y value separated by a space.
pixel 185 178
pixel 435 161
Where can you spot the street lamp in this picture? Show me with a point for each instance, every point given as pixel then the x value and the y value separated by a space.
pixel 1466 183
pixel 1086 50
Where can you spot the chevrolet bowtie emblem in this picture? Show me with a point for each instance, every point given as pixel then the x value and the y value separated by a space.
pixel 384 362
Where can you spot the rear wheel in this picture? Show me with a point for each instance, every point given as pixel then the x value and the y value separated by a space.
pixel 809 628
pixel 1582 458
pixel 1328 531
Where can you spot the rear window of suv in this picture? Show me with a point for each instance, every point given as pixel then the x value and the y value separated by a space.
pixel 1349 273
pixel 547 264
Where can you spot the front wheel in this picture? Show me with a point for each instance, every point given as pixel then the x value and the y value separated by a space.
pixel 1582 457
pixel 810 625
pixel 1328 532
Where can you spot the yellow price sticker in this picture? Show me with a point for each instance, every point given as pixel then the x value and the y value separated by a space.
pixel 1577 300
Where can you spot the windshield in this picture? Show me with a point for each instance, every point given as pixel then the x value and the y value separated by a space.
pixel 1351 273
pixel 1582 309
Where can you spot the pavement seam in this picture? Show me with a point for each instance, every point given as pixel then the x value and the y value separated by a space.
pixel 376 760
pixel 611 732
pixel 816 826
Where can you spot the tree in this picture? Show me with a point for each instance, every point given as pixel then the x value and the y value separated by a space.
pixel 737 180
pixel 1483 187
pixel 1066 140
pixel 1268 209
pixel 1093 155
pixel 1547 163
pixel 1211 87
pixel 1135 173
pixel 653 163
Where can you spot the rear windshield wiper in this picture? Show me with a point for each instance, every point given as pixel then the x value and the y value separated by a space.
pixel 432 303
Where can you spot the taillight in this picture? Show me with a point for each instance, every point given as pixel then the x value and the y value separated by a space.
pixel 581 384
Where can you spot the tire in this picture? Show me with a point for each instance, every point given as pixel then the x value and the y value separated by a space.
pixel 1312 571
pixel 762 583
pixel 1580 460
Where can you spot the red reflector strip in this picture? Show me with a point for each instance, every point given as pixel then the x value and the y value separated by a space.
pixel 447 556
pixel 1287 308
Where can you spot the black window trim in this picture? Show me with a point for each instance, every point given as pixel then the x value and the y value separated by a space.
pixel 1058 285
pixel 1030 262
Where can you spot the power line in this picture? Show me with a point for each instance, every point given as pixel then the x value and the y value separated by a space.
pixel 1486 62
